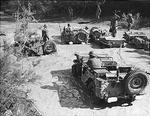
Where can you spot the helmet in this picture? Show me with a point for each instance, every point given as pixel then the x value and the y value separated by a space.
pixel 91 53
pixel 45 26
pixel 68 25
pixel 86 28
pixel 76 54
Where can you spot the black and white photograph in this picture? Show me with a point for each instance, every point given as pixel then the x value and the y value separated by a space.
pixel 74 57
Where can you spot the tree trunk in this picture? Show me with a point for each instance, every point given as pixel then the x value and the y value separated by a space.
pixel 70 10
pixel 98 12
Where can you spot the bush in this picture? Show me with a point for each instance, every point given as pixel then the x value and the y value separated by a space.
pixel 139 21
pixel 11 78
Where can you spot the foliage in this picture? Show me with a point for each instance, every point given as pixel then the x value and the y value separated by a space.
pixel 139 21
pixel 49 9
pixel 22 34
pixel 11 78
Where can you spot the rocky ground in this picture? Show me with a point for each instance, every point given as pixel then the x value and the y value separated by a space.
pixel 57 93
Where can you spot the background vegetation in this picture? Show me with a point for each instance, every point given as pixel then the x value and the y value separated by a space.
pixel 13 75
pixel 81 8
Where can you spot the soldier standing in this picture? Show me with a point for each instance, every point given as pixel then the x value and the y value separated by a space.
pixel 68 29
pixel 77 69
pixel 68 33
pixel 45 33
pixel 130 21
pixel 45 37
pixel 114 24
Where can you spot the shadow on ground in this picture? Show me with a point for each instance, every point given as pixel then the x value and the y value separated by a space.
pixel 73 94
pixel 140 51
pixel 143 54
pixel 57 39
pixel 98 46
pixel 95 46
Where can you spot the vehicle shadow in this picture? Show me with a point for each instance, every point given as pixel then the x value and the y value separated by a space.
pixel 72 92
pixel 143 54
pixel 57 39
pixel 94 45
pixel 140 51
pixel 97 46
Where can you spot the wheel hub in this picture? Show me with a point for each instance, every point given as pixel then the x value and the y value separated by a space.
pixel 136 83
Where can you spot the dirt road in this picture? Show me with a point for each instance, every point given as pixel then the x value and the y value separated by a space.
pixel 57 94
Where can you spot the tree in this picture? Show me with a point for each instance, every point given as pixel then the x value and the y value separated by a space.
pixel 99 10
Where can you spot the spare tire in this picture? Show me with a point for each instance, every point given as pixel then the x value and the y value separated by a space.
pixel 80 37
pixel 50 47
pixel 135 82
pixel 93 34
pixel 97 34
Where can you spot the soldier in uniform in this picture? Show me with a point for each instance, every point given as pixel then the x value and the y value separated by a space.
pixel 45 33
pixel 68 29
pixel 45 37
pixel 78 68
pixel 79 58
pixel 130 21
pixel 68 33
pixel 93 62
pixel 114 24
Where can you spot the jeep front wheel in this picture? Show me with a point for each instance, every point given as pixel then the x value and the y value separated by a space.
pixel 135 82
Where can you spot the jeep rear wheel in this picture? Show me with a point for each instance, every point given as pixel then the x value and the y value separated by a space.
pixel 135 82
pixel 50 47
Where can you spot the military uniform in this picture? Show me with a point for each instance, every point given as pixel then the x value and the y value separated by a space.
pixel 45 34
pixel 77 70
pixel 93 62
pixel 68 29
pixel 130 21
pixel 114 24
pixel 69 34
pixel 45 37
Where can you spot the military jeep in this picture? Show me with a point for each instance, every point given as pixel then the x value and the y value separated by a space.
pixel 104 39
pixel 137 39
pixel 33 45
pixel 110 82
pixel 76 36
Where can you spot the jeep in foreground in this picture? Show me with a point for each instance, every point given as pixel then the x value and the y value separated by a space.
pixel 110 82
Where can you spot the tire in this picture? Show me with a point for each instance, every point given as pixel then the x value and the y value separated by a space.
pixel 97 34
pixel 50 47
pixel 135 82
pixel 80 37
